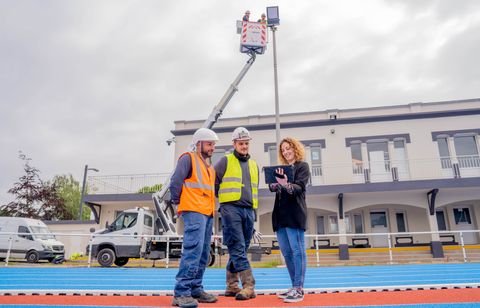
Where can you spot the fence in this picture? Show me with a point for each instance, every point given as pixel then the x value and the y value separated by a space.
pixel 319 253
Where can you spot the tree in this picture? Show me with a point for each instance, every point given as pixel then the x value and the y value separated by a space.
pixel 70 191
pixel 35 198
pixel 150 189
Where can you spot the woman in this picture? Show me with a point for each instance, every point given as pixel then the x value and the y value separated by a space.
pixel 289 217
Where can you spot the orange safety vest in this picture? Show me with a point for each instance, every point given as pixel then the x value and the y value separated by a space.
pixel 198 191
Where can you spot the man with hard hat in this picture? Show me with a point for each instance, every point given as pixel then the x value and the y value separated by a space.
pixel 236 186
pixel 192 189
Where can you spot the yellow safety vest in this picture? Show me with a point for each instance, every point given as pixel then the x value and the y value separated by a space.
pixel 231 185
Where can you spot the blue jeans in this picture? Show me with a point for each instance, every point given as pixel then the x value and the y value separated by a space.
pixel 292 245
pixel 195 252
pixel 237 225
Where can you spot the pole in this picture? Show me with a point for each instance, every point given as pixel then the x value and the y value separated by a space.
pixel 83 192
pixel 277 108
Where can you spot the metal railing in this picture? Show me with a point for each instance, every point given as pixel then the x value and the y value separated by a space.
pixel 122 184
pixel 324 174
pixel 465 252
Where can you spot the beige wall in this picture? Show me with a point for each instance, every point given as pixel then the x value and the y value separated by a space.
pixel 74 236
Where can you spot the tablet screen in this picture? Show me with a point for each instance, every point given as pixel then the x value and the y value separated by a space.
pixel 270 173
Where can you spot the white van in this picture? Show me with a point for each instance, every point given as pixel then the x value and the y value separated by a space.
pixel 38 244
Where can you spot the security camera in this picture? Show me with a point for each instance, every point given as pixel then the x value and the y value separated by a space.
pixel 332 131
pixel 170 141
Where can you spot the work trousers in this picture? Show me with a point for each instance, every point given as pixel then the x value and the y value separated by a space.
pixel 195 253
pixel 237 225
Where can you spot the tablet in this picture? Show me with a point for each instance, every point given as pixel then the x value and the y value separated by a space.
pixel 270 172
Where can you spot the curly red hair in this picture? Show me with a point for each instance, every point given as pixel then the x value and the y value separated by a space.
pixel 298 150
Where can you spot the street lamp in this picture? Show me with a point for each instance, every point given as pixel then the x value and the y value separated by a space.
pixel 273 20
pixel 83 188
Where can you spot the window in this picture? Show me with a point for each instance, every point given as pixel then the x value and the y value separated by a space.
pixel 316 157
pixel 462 216
pixel 333 223
pixel 357 162
pixel 358 223
pixel 378 219
pixel 23 229
pixel 217 155
pixel 272 152
pixel 348 225
pixel 467 152
pixel 441 221
pixel 375 147
pixel 444 153
pixel 125 220
pixel 401 222
pixel 320 225
pixel 148 220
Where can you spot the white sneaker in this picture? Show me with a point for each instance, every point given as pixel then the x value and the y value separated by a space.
pixel 284 294
pixel 294 296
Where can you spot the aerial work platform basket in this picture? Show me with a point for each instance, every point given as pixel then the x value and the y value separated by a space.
pixel 253 37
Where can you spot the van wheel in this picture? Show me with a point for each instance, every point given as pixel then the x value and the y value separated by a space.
pixel 106 257
pixel 121 261
pixel 33 256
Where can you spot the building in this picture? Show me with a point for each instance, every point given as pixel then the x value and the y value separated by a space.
pixel 393 169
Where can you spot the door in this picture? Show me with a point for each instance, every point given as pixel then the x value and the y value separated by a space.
pixel 320 225
pixel 22 243
pixel 125 231
pixel 379 224
pixel 463 221
pixel 378 167
pixel 147 229
pixel 401 160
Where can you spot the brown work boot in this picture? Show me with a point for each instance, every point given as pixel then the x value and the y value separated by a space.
pixel 248 284
pixel 232 284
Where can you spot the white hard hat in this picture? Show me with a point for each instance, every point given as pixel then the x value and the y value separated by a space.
pixel 204 134
pixel 241 133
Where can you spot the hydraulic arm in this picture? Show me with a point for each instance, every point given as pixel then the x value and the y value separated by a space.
pixel 166 214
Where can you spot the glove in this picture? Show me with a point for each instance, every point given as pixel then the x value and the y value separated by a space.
pixel 257 237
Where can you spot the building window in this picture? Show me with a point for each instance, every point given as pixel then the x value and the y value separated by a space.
pixel 333 224
pixel 444 153
pixel 441 221
pixel 272 152
pixel 320 225
pixel 462 216
pixel 357 162
pixel 217 155
pixel 378 219
pixel 401 222
pixel 467 152
pixel 358 223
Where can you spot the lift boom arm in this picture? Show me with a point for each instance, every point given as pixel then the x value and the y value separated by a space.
pixel 165 213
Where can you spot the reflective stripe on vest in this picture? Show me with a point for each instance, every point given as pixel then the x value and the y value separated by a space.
pixel 231 185
pixel 198 191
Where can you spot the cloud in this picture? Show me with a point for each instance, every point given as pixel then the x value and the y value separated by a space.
pixel 100 83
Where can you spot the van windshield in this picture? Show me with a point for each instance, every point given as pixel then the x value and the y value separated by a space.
pixel 42 233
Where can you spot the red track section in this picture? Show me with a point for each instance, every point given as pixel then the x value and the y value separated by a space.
pixel 329 299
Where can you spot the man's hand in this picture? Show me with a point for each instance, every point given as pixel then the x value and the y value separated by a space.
pixel 257 237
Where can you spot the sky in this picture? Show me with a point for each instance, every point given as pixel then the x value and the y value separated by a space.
pixel 102 82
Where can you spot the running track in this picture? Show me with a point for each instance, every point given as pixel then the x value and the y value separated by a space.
pixel 447 285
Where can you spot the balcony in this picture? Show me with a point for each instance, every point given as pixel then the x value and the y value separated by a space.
pixel 325 174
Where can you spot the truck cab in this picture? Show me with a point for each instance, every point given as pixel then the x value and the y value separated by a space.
pixel 122 239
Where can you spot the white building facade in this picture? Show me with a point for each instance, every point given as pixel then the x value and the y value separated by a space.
pixel 407 168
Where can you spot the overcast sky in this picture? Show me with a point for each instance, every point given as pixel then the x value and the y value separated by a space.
pixel 101 82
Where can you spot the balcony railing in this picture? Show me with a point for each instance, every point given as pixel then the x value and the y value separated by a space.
pixel 124 184
pixel 325 174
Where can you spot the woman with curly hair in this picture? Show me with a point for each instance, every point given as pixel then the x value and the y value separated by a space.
pixel 289 217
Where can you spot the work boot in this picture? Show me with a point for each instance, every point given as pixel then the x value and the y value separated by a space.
pixel 248 284
pixel 232 284
pixel 185 302
pixel 204 297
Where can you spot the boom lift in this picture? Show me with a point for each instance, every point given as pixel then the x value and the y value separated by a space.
pixel 120 241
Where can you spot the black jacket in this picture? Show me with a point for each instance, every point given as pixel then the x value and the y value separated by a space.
pixel 290 208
